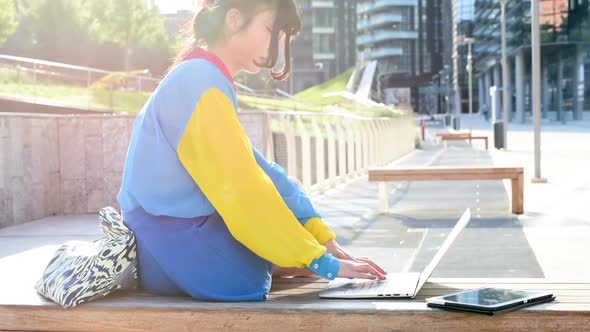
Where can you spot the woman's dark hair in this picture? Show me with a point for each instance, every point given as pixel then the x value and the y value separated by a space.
pixel 207 26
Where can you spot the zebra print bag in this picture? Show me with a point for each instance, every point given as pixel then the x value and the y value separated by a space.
pixel 83 271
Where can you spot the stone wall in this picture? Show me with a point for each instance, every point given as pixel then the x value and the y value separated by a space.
pixel 72 164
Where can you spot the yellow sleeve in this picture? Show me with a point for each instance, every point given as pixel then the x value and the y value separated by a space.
pixel 320 230
pixel 216 152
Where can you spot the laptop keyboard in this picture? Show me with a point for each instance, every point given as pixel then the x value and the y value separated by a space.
pixel 396 285
pixel 374 286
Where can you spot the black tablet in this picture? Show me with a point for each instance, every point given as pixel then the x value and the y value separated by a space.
pixel 489 300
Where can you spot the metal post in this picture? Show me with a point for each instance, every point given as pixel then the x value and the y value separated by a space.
pixel 470 78
pixel 111 102
pixel 448 99
pixel 462 40
pixel 505 77
pixel 88 89
pixel 35 82
pixel 291 76
pixel 560 111
pixel 536 97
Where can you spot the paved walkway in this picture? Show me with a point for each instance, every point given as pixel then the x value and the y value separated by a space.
pixel 549 240
pixel 494 244
pixel 557 218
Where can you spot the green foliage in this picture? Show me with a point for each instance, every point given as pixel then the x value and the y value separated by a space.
pixel 316 93
pixel 260 81
pixel 53 29
pixel 95 98
pixel 178 45
pixel 7 20
pixel 281 104
pixel 116 80
pixel 127 23
pixel 11 75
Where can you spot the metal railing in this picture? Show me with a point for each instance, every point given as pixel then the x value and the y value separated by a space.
pixel 54 83
pixel 47 82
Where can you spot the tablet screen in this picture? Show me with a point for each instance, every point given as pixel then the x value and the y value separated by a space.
pixel 486 296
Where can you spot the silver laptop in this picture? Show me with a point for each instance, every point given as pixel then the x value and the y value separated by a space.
pixel 405 284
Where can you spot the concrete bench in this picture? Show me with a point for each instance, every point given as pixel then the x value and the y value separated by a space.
pixel 515 174
pixel 293 306
pixel 461 137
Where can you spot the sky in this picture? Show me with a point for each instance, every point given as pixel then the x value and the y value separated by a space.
pixel 172 6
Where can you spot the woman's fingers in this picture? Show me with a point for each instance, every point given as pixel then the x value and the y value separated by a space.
pixel 360 275
pixel 371 270
pixel 368 261
pixel 352 269
pixel 373 264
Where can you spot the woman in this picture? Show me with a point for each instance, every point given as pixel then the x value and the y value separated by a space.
pixel 210 213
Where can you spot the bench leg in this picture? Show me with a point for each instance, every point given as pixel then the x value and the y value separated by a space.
pixel 383 197
pixel 486 139
pixel 518 194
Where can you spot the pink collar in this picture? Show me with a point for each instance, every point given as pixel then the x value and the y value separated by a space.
pixel 199 53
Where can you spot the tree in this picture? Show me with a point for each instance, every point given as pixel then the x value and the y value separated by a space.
pixel 55 30
pixel 7 20
pixel 128 24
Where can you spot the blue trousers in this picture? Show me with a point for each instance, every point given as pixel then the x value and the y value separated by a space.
pixel 197 257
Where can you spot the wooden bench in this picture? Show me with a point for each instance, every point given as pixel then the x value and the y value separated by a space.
pixel 294 305
pixel 515 174
pixel 461 137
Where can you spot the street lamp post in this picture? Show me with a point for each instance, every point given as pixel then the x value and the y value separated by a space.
pixel 505 78
pixel 469 41
pixel 320 68
pixel 470 72
pixel 448 94
pixel 536 77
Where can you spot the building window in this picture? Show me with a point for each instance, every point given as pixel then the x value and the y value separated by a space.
pixel 323 43
pixel 323 17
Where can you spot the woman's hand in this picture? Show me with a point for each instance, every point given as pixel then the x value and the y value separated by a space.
pixel 350 266
pixel 337 251
pixel 351 269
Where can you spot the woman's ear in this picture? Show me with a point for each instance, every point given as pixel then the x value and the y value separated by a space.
pixel 233 20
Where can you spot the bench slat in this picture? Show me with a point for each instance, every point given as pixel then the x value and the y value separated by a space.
pixel 437 170
pixel 433 177
pixel 396 318
pixel 295 304
pixel 462 136
pixel 515 174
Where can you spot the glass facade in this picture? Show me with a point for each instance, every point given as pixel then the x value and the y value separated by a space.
pixel 565 53
pixel 326 46
pixel 463 13
pixel 405 39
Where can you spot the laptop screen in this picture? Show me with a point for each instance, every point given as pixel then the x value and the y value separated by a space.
pixel 443 248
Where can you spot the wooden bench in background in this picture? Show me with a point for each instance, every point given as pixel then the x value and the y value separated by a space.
pixel 461 137
pixel 515 174
pixel 294 305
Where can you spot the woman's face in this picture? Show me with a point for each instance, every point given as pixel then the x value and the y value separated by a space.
pixel 250 44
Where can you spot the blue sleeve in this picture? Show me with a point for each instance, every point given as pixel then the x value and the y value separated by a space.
pixel 326 266
pixel 295 198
